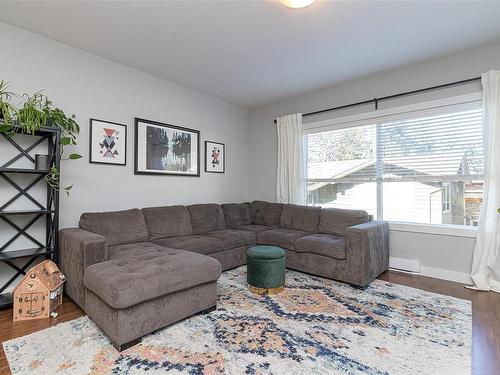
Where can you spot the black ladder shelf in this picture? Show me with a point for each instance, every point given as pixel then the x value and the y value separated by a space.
pixel 20 260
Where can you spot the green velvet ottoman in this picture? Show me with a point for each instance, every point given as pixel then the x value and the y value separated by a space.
pixel 265 269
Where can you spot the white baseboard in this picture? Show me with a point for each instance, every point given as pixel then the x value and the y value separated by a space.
pixel 443 274
pixel 413 266
pixel 402 264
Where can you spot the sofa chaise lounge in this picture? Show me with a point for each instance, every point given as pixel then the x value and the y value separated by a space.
pixel 136 271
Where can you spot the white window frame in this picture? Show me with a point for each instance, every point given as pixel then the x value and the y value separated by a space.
pixel 431 108
pixel 445 200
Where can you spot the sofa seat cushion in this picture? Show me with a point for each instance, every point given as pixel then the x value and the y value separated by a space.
pixel 133 249
pixel 234 237
pixel 206 217
pixel 255 228
pixel 122 283
pixel 169 221
pixel 119 227
pixel 281 237
pixel 322 244
pixel 201 244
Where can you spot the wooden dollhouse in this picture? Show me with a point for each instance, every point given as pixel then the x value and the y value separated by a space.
pixel 39 293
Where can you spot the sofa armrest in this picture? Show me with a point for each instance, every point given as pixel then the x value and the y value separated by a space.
pixel 79 249
pixel 367 250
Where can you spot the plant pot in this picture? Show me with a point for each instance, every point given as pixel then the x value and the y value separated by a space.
pixel 42 162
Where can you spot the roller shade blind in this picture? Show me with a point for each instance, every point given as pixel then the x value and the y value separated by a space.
pixel 407 112
pixel 435 148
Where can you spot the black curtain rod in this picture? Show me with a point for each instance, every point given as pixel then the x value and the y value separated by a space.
pixel 377 100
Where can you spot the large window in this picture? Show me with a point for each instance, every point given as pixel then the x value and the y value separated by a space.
pixel 421 168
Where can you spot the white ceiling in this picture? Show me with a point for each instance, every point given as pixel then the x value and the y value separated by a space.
pixel 255 52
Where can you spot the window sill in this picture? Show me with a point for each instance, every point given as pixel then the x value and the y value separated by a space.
pixel 437 229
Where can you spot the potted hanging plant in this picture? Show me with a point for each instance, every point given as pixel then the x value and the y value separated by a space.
pixel 36 113
pixel 7 110
pixel 31 116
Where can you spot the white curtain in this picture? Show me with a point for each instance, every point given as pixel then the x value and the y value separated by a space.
pixel 290 176
pixel 486 261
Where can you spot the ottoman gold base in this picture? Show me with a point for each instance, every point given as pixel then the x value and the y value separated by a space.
pixel 264 291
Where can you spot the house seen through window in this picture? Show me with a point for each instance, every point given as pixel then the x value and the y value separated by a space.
pixel 421 170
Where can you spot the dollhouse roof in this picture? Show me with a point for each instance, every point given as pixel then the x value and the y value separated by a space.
pixel 50 281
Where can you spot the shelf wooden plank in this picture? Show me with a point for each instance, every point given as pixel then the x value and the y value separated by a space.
pixel 48 130
pixel 23 170
pixel 25 212
pixel 13 254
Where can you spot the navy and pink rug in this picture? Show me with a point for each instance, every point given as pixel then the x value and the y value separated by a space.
pixel 316 326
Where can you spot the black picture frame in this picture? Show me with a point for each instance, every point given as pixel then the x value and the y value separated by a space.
pixel 91 142
pixel 138 171
pixel 223 146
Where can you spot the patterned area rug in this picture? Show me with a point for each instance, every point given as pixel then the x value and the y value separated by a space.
pixel 316 326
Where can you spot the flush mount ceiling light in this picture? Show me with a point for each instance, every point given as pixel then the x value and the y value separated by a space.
pixel 296 3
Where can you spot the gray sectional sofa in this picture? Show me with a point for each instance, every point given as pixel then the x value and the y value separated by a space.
pixel 136 271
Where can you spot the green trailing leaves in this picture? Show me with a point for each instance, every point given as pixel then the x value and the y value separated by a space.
pixel 53 178
pixel 5 128
pixel 66 141
pixel 75 156
pixel 68 188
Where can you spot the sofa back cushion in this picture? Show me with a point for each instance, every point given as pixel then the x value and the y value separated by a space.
pixel 305 218
pixel 206 217
pixel 265 213
pixel 170 221
pixel 119 227
pixel 237 214
pixel 336 221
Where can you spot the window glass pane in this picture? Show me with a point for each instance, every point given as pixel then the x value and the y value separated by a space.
pixel 432 202
pixel 346 153
pixel 473 197
pixel 362 196
pixel 347 158
pixel 429 165
pixel 424 170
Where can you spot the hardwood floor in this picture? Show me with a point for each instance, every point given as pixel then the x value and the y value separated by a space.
pixel 10 330
pixel 485 320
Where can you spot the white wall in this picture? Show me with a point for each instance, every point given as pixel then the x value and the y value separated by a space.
pixel 450 255
pixel 90 86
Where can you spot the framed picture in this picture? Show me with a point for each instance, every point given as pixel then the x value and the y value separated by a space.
pixel 165 149
pixel 108 142
pixel 215 155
